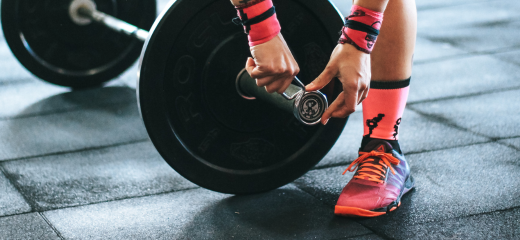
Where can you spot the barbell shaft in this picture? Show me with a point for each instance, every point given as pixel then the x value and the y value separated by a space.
pixel 247 88
pixel 114 23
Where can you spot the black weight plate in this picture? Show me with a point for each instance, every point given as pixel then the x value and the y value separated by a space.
pixel 44 39
pixel 199 123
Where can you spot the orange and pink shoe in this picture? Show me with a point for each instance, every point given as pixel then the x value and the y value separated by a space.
pixel 381 179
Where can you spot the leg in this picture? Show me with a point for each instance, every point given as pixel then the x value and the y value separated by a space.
pixel 391 58
pixel 382 175
pixel 391 62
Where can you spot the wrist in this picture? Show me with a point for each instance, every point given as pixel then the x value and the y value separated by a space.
pixel 376 5
pixel 361 28
pixel 259 20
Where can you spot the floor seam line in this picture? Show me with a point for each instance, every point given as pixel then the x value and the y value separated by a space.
pixel 466 54
pixel 464 96
pixel 43 114
pixel 121 199
pixel 107 201
pixel 328 206
pixel 75 151
pixel 15 82
pixel 361 235
pixel 419 9
pixel 466 216
pixel 379 234
pixel 407 154
pixel 507 145
pixel 18 188
pixel 446 122
pixel 51 226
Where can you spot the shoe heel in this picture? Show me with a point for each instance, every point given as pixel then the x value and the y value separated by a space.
pixel 409 184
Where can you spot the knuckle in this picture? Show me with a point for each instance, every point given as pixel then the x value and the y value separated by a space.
pixel 295 71
pixel 349 111
pixel 352 86
pixel 346 111
pixel 279 71
pixel 253 74
pixel 260 83
pixel 289 76
pixel 270 89
pixel 341 114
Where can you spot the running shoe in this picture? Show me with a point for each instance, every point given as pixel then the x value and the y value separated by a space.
pixel 381 179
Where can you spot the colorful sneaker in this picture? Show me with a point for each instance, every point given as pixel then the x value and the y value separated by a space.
pixel 374 190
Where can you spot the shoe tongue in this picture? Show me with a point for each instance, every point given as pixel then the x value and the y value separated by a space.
pixel 378 146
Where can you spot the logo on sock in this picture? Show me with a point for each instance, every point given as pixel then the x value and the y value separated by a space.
pixel 372 123
pixel 396 128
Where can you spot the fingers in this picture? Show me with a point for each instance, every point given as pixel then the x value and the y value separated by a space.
pixel 274 80
pixel 262 82
pixel 250 65
pixel 255 71
pixel 284 86
pixel 342 107
pixel 351 96
pixel 272 65
pixel 337 104
pixel 274 86
pixel 277 84
pixel 322 80
pixel 363 96
pixel 262 79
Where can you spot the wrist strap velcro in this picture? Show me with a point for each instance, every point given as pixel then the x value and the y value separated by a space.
pixel 259 21
pixel 361 28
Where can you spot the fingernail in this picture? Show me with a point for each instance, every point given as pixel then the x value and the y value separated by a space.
pixel 326 121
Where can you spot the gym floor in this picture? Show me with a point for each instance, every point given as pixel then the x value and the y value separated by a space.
pixel 79 165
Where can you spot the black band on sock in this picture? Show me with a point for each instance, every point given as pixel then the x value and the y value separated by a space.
pixel 390 85
pixel 394 143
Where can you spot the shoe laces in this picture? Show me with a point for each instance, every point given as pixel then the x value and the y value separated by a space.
pixel 369 168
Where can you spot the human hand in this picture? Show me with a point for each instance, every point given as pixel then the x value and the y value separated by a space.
pixel 352 68
pixel 273 66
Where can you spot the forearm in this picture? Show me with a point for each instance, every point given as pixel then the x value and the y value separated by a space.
pixel 374 5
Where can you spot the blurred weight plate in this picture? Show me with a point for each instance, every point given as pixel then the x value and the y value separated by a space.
pixel 50 45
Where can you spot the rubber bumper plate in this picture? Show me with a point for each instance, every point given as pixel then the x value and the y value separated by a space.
pixel 197 120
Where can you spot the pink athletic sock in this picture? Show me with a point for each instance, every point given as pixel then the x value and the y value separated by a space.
pixel 383 109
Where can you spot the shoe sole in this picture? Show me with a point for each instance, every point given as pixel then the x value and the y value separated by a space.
pixel 359 212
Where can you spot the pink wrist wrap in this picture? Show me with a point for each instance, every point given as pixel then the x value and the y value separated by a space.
pixel 361 28
pixel 263 31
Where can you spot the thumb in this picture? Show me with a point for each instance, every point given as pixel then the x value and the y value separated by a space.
pixel 320 82
pixel 250 65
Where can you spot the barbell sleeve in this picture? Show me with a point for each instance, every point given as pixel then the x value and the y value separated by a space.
pixel 307 107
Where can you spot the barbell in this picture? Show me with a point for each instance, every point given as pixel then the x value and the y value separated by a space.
pixel 202 111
